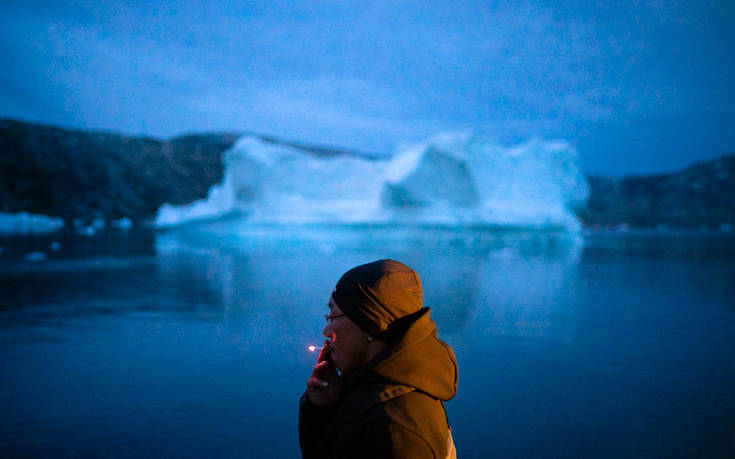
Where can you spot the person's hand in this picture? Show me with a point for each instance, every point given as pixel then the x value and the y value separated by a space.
pixel 324 386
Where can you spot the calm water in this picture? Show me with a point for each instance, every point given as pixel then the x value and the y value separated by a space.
pixel 180 345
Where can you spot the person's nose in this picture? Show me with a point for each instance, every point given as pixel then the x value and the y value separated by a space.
pixel 327 332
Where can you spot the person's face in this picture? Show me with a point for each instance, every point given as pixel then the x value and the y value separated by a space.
pixel 348 343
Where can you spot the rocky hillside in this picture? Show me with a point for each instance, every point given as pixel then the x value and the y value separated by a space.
pixel 703 194
pixel 86 175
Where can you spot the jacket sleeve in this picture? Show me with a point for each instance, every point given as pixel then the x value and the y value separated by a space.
pixel 313 422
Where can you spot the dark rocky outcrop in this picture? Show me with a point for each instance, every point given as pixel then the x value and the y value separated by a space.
pixel 703 194
pixel 86 175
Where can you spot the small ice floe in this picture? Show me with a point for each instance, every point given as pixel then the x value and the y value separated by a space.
pixel 1 249
pixel 81 228
pixel 86 231
pixel 25 223
pixel 122 224
pixel 55 246
pixel 35 256
pixel 726 227
pixel 91 229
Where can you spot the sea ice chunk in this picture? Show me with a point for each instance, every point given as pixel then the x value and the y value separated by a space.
pixel 25 223
pixel 471 179
pixel 122 224
pixel 35 256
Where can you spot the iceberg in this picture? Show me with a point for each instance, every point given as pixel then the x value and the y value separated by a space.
pixel 449 179
pixel 124 223
pixel 25 223
pixel 35 256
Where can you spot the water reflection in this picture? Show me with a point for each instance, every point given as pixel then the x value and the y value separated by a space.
pixel 199 333
pixel 479 282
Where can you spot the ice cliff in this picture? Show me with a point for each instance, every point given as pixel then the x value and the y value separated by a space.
pixel 454 179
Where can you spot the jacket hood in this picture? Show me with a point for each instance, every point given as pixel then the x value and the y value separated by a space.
pixel 419 359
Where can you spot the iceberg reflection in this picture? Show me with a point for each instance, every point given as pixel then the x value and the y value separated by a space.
pixel 273 281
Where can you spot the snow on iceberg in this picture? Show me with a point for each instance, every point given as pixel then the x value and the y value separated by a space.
pixel 453 179
pixel 25 223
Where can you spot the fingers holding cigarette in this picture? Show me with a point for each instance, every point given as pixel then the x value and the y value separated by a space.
pixel 324 385
pixel 324 353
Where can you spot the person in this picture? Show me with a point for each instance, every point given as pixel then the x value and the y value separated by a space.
pixel 382 376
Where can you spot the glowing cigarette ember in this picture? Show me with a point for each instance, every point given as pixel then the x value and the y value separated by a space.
pixel 312 348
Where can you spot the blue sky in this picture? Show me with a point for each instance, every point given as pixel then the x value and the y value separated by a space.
pixel 637 87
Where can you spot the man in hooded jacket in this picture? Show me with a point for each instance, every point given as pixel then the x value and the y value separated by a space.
pixel 379 387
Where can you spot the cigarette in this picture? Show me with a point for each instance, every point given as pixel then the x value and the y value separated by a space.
pixel 312 348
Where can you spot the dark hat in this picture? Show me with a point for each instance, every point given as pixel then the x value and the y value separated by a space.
pixel 376 295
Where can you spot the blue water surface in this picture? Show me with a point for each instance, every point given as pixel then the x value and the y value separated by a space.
pixel 194 344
